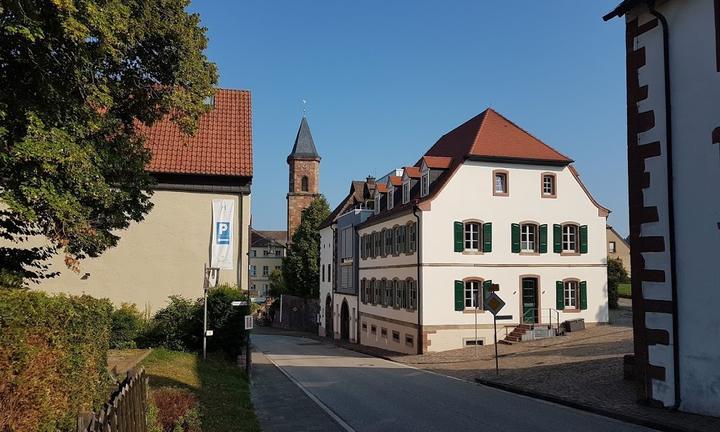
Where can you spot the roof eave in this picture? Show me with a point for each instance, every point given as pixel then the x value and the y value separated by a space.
pixel 515 160
pixel 622 9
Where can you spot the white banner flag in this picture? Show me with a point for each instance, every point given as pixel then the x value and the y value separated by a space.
pixel 222 234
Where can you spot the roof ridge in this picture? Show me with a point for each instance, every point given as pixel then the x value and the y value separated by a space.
pixel 482 122
pixel 528 133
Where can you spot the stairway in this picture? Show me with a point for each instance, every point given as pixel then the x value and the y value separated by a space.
pixel 517 334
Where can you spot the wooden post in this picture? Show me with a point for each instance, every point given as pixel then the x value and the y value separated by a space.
pixel 84 420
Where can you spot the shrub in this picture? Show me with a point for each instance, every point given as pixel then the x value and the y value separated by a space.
pixel 616 275
pixel 53 359
pixel 177 410
pixel 127 324
pixel 178 326
pixel 226 321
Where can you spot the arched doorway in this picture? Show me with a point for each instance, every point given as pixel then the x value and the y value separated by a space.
pixel 328 317
pixel 344 321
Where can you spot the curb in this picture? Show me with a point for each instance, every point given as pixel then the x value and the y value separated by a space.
pixel 582 407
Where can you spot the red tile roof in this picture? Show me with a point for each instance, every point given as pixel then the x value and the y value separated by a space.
pixel 490 135
pixel 221 146
pixel 412 172
pixel 437 162
pixel 395 180
pixel 382 188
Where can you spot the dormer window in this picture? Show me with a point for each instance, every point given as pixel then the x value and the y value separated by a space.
pixel 425 182
pixel 377 202
pixel 406 192
pixel 391 198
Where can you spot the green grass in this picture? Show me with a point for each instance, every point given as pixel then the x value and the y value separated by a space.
pixel 624 290
pixel 221 388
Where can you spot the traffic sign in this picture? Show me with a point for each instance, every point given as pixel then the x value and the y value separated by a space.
pixel 248 322
pixel 494 303
pixel 208 332
pixel 239 303
pixel 504 317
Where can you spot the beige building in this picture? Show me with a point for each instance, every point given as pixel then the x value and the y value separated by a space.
pixel 166 253
pixel 267 250
pixel 618 247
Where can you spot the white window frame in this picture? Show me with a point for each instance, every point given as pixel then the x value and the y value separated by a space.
pixel 528 237
pixel 504 183
pixel 472 233
pixel 253 270
pixel 472 289
pixel 391 197
pixel 425 182
pixel 551 184
pixel 571 295
pixel 612 247
pixel 570 237
pixel 406 192
pixel 378 197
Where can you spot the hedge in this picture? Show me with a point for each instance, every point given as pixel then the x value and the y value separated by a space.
pixel 53 359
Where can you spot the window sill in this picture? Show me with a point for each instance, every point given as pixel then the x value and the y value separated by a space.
pixel 472 252
pixel 548 196
pixel 570 254
pixel 501 194
pixel 571 310
pixel 530 253
pixel 472 311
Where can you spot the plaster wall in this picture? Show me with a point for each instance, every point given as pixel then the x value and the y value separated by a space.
pixel 326 258
pixel 160 256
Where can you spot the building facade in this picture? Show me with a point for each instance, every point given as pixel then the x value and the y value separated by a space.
pixel 304 178
pixel 618 248
pixel 487 207
pixel 165 254
pixel 267 250
pixel 673 101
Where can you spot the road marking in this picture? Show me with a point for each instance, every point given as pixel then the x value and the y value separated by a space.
pixel 309 394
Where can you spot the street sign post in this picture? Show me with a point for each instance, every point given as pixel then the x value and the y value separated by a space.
pixel 493 304
pixel 238 303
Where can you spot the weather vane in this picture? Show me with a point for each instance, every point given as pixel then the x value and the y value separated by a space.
pixel 304 102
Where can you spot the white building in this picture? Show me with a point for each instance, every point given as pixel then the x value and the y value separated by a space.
pixel 488 204
pixel 673 99
pixel 267 250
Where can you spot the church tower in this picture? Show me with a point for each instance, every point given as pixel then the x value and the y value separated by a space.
pixel 304 163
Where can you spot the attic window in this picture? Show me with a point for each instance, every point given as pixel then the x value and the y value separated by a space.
pixel 391 198
pixel 209 101
pixel 425 182
pixel 377 202
pixel 406 192
pixel 500 183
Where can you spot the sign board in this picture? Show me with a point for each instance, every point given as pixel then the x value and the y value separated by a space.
pixel 248 322
pixel 239 303
pixel 494 287
pixel 222 227
pixel 503 317
pixel 208 332
pixel 494 303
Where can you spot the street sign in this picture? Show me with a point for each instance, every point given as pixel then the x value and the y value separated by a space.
pixel 494 303
pixel 239 303
pixel 248 322
pixel 504 317
pixel 495 287
pixel 208 332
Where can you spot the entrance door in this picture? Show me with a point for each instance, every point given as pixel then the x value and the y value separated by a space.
pixel 344 321
pixel 529 300
pixel 328 317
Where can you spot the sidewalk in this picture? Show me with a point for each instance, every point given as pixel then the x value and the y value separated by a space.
pixel 280 405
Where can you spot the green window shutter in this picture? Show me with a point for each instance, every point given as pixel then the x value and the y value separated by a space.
pixel 487 237
pixel 559 295
pixel 459 241
pixel 459 295
pixel 583 295
pixel 515 237
pixel 543 239
pixel 486 291
pixel 557 238
pixel 583 239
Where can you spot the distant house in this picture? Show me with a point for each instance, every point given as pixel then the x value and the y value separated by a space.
pixel 166 253
pixel 267 250
pixel 487 207
pixel 673 118
pixel 618 247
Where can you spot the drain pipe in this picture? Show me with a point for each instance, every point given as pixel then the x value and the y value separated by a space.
pixel 671 202
pixel 419 277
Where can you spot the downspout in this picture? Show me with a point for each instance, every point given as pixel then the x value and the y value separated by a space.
pixel 418 249
pixel 671 201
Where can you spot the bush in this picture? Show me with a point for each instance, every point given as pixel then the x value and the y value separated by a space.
pixel 226 321
pixel 53 359
pixel 178 326
pixel 127 325
pixel 176 410
pixel 616 275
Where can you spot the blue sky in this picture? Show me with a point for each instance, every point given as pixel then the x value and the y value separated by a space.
pixel 385 79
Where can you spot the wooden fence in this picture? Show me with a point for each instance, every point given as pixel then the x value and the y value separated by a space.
pixel 125 412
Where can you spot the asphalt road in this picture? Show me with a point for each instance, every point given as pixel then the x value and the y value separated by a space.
pixel 371 394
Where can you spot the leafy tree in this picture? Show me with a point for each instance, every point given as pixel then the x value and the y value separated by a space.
pixel 80 79
pixel 277 283
pixel 616 275
pixel 301 267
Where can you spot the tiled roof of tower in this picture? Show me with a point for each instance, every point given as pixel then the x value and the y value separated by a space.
pixel 221 146
pixel 490 135
pixel 304 147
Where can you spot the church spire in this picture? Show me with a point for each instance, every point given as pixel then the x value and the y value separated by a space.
pixel 304 147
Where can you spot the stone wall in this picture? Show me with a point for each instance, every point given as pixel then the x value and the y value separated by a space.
pixel 297 314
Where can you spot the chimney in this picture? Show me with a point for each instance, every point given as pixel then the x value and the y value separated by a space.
pixel 370 180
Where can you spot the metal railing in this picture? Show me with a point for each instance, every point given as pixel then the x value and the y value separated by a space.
pixel 550 313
